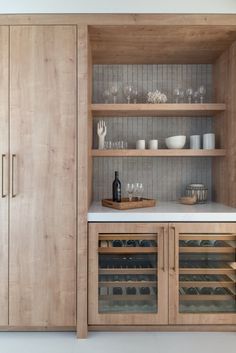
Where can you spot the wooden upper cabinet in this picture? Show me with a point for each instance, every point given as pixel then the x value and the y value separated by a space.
pixel 42 286
pixel 4 199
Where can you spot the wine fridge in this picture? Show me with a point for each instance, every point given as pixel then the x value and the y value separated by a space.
pixel 128 273
pixel 202 273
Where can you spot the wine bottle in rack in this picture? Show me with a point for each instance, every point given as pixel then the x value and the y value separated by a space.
pixel 116 188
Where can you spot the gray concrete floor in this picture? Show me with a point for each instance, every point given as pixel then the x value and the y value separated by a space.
pixel 65 342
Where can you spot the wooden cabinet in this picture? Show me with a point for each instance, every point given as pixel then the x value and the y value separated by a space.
pixel 38 175
pixel 42 282
pixel 4 155
pixel 128 274
pixel 202 273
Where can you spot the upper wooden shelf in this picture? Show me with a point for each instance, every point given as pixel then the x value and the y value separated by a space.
pixel 159 153
pixel 157 110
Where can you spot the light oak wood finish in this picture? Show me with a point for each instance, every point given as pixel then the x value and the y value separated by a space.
pixel 157 110
pixel 159 153
pixel 42 286
pixel 176 230
pixel 201 20
pixel 84 177
pixel 163 328
pixel 161 317
pixel 4 159
pixel 178 44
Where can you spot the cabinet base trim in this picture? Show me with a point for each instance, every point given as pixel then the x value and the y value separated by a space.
pixel 37 328
pixel 164 328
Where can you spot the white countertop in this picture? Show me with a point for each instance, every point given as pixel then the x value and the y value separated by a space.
pixel 164 212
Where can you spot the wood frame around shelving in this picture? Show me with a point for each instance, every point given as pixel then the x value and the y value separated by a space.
pixel 159 153
pixel 158 110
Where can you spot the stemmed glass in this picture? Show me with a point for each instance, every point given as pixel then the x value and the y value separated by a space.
pixel 139 190
pixel 202 93
pixel 189 94
pixel 196 96
pixel 179 95
pixel 135 95
pixel 128 90
pixel 106 95
pixel 130 190
pixel 114 93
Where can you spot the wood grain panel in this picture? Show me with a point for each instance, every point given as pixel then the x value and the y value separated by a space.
pixel 159 44
pixel 43 212
pixel 4 129
pixel 84 176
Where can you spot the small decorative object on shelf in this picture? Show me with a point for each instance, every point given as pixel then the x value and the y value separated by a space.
pixel 101 132
pixel 140 145
pixel 116 188
pixel 209 141
pixel 106 96
pixel 130 190
pixel 125 204
pixel 153 144
pixel 195 142
pixel 114 93
pixel 202 93
pixel 135 95
pixel 175 142
pixel 196 97
pixel 189 94
pixel 115 145
pixel 179 95
pixel 128 91
pixel 188 200
pixel 156 97
pixel 198 190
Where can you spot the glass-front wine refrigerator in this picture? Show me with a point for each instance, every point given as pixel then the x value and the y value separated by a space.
pixel 202 273
pixel 128 274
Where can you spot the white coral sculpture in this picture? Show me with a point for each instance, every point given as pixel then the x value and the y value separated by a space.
pixel 156 97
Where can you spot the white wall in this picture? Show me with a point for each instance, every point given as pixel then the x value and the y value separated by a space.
pixel 117 6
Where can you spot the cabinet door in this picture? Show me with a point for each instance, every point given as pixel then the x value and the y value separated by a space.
pixel 128 275
pixel 43 175
pixel 4 197
pixel 202 273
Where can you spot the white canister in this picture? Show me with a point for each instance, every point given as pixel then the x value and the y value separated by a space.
pixel 195 142
pixel 153 144
pixel 140 145
pixel 208 141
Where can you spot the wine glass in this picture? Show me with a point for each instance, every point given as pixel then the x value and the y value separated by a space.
pixel 114 93
pixel 135 95
pixel 179 95
pixel 202 93
pixel 106 95
pixel 128 90
pixel 130 190
pixel 139 190
pixel 189 94
pixel 176 95
pixel 196 96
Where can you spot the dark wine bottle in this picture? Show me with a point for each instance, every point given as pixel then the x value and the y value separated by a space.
pixel 116 188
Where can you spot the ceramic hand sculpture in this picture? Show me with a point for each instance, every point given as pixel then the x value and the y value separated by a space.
pixel 101 131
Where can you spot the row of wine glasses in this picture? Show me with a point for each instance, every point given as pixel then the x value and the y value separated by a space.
pixel 115 145
pixel 130 93
pixel 191 95
pixel 134 190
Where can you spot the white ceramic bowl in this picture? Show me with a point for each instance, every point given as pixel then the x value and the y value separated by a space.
pixel 175 142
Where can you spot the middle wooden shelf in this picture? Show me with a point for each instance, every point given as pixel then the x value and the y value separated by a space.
pixel 159 153
pixel 157 110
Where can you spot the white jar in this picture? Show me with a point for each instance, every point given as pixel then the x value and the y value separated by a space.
pixel 140 145
pixel 195 142
pixel 208 141
pixel 153 144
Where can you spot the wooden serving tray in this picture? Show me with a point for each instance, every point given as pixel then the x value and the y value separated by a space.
pixel 125 204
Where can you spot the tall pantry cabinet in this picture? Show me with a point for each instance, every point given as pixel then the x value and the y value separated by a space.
pixel 38 155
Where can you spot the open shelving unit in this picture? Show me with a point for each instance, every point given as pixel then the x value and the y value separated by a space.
pixel 159 153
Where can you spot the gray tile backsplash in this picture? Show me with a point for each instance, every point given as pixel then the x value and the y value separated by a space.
pixel 163 178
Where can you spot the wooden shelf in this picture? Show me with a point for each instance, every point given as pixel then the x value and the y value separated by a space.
pixel 206 249
pixel 130 271
pixel 157 110
pixel 128 250
pixel 159 153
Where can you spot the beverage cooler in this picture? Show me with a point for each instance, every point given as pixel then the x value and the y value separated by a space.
pixel 128 278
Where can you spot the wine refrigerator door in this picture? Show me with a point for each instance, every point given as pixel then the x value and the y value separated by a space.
pixel 128 274
pixel 202 270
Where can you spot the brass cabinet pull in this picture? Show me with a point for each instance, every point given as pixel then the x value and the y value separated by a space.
pixel 3 174
pixel 13 194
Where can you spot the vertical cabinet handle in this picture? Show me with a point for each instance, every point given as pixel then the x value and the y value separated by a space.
pixel 4 194
pixel 13 193
pixel 174 250
pixel 163 256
